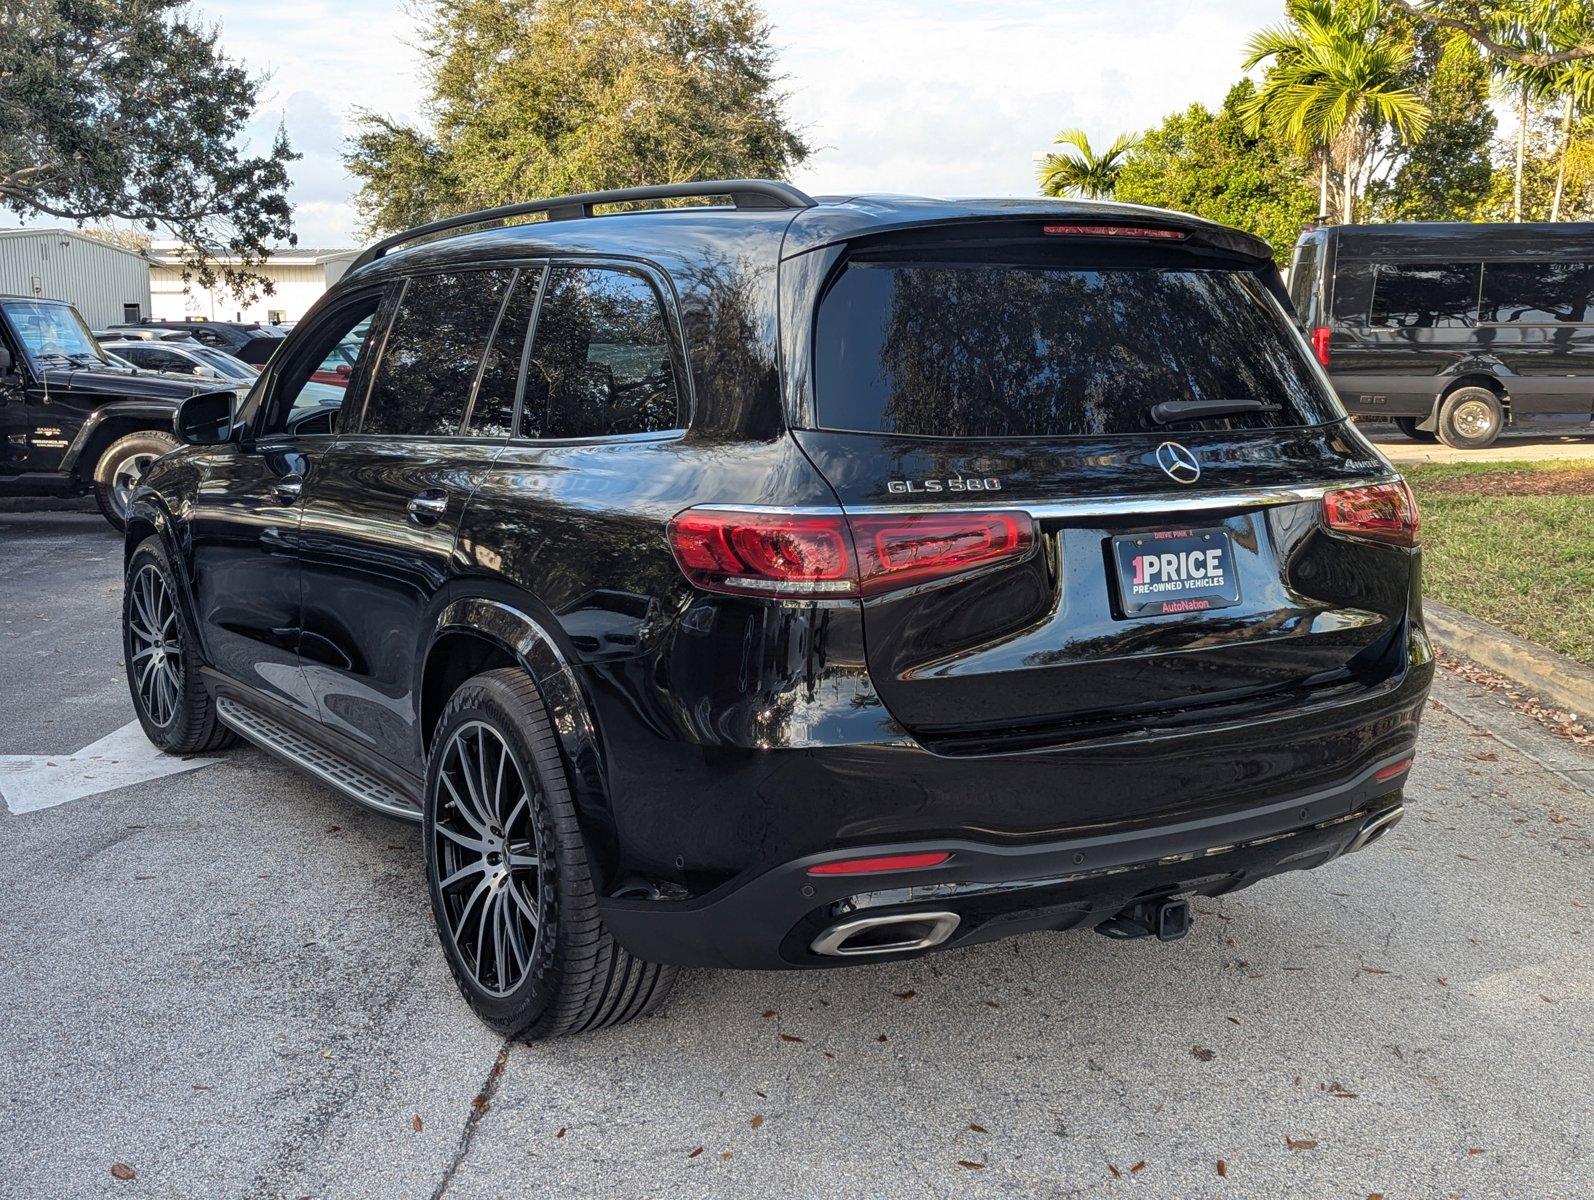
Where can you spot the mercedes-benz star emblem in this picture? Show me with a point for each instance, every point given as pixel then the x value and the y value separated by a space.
pixel 1178 462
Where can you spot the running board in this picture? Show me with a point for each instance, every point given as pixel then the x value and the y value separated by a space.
pixel 277 738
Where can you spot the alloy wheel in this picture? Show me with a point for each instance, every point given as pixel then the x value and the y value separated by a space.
pixel 157 645
pixel 125 476
pixel 489 858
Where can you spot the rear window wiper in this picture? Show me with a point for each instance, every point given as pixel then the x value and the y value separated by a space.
pixel 1171 411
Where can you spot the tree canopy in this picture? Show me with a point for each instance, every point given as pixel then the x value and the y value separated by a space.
pixel 128 109
pixel 1211 164
pixel 532 98
pixel 1080 170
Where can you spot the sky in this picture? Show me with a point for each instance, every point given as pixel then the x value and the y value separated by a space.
pixel 940 97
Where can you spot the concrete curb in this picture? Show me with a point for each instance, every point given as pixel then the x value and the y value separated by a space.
pixel 1564 681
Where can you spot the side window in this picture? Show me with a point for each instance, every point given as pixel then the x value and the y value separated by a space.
pixel 1538 293
pixel 493 413
pixel 439 334
pixel 316 377
pixel 208 337
pixel 600 360
pixel 1426 296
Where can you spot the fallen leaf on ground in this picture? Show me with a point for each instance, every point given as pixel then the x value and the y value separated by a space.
pixel 1299 1143
pixel 908 995
pixel 726 1157
pixel 756 1122
pixel 1339 1093
pixel 561 1132
pixel 122 1171
pixel 978 1128
pixel 1476 1150
pixel 1203 1054
pixel 970 1164
pixel 416 1123
pixel 790 1037
pixel 1138 1167
pixel 694 1152
pixel 768 1013
pixel 1223 1169
pixel 1233 1020
pixel 1116 1173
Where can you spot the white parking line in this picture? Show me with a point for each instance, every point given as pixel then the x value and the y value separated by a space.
pixel 30 782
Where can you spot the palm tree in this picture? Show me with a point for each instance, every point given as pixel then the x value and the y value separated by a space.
pixel 1084 172
pixel 1335 85
pixel 1575 82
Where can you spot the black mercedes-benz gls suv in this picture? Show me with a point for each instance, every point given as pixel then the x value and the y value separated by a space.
pixel 794 583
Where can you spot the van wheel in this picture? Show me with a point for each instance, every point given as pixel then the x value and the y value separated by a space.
pixel 1408 428
pixel 507 871
pixel 120 468
pixel 1470 418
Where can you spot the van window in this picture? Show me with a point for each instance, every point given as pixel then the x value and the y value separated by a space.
pixel 1426 296
pixel 433 349
pixel 1303 281
pixel 1538 293
pixel 985 350
pixel 600 364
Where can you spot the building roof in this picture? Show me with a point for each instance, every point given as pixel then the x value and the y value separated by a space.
pixel 286 256
pixel 76 235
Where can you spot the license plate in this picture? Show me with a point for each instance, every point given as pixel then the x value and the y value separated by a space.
pixel 1175 571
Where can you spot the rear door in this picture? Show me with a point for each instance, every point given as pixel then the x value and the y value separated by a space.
pixel 381 518
pixel 1155 416
pixel 1538 318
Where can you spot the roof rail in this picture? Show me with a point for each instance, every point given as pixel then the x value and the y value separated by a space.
pixel 744 193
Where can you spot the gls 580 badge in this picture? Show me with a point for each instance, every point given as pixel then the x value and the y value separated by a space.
pixel 899 487
pixel 1175 571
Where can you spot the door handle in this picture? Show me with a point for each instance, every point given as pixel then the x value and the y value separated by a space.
pixel 287 488
pixel 428 507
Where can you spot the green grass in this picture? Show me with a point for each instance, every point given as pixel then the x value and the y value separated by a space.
pixel 1524 563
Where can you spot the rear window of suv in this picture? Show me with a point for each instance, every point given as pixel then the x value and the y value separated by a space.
pixel 987 350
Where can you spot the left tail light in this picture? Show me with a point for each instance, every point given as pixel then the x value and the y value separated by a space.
pixel 1382 512
pixel 1321 336
pixel 831 554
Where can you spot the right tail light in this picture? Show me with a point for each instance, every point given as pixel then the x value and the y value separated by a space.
pixel 1380 512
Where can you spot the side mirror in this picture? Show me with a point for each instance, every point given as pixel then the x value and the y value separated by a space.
pixel 6 364
pixel 206 418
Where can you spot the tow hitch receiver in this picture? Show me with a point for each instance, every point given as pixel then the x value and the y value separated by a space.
pixel 1166 919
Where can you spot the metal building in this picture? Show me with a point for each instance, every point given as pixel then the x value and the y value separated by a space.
pixel 103 282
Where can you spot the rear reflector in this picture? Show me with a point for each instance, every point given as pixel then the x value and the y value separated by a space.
pixel 1320 339
pixel 1382 512
pixel 820 555
pixel 1394 769
pixel 1124 231
pixel 887 862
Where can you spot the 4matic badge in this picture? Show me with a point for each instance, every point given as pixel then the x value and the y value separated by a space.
pixel 916 486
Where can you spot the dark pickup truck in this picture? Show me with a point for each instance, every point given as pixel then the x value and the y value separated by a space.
pixel 70 421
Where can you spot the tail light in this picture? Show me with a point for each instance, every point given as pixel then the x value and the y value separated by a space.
pixel 1383 512
pixel 818 555
pixel 1320 337
pixel 1124 231
pixel 886 862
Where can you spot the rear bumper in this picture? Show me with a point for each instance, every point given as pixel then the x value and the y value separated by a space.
pixel 772 919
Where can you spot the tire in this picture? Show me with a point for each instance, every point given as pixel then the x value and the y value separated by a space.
pixel 1470 418
pixel 495 784
pixel 173 705
pixel 122 465
pixel 1408 428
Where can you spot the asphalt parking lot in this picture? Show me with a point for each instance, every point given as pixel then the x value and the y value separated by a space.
pixel 225 980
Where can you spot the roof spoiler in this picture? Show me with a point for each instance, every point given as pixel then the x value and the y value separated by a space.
pixel 743 193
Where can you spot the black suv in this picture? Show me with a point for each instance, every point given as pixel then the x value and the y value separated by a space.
pixel 795 583
pixel 70 421
pixel 248 341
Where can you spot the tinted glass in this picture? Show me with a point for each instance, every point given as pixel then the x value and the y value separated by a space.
pixel 153 358
pixel 320 371
pixel 433 350
pixel 1426 296
pixel 984 350
pixel 1538 293
pixel 600 362
pixel 493 415
pixel 1303 282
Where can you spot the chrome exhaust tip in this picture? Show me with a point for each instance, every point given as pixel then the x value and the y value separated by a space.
pixel 886 935
pixel 1375 828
